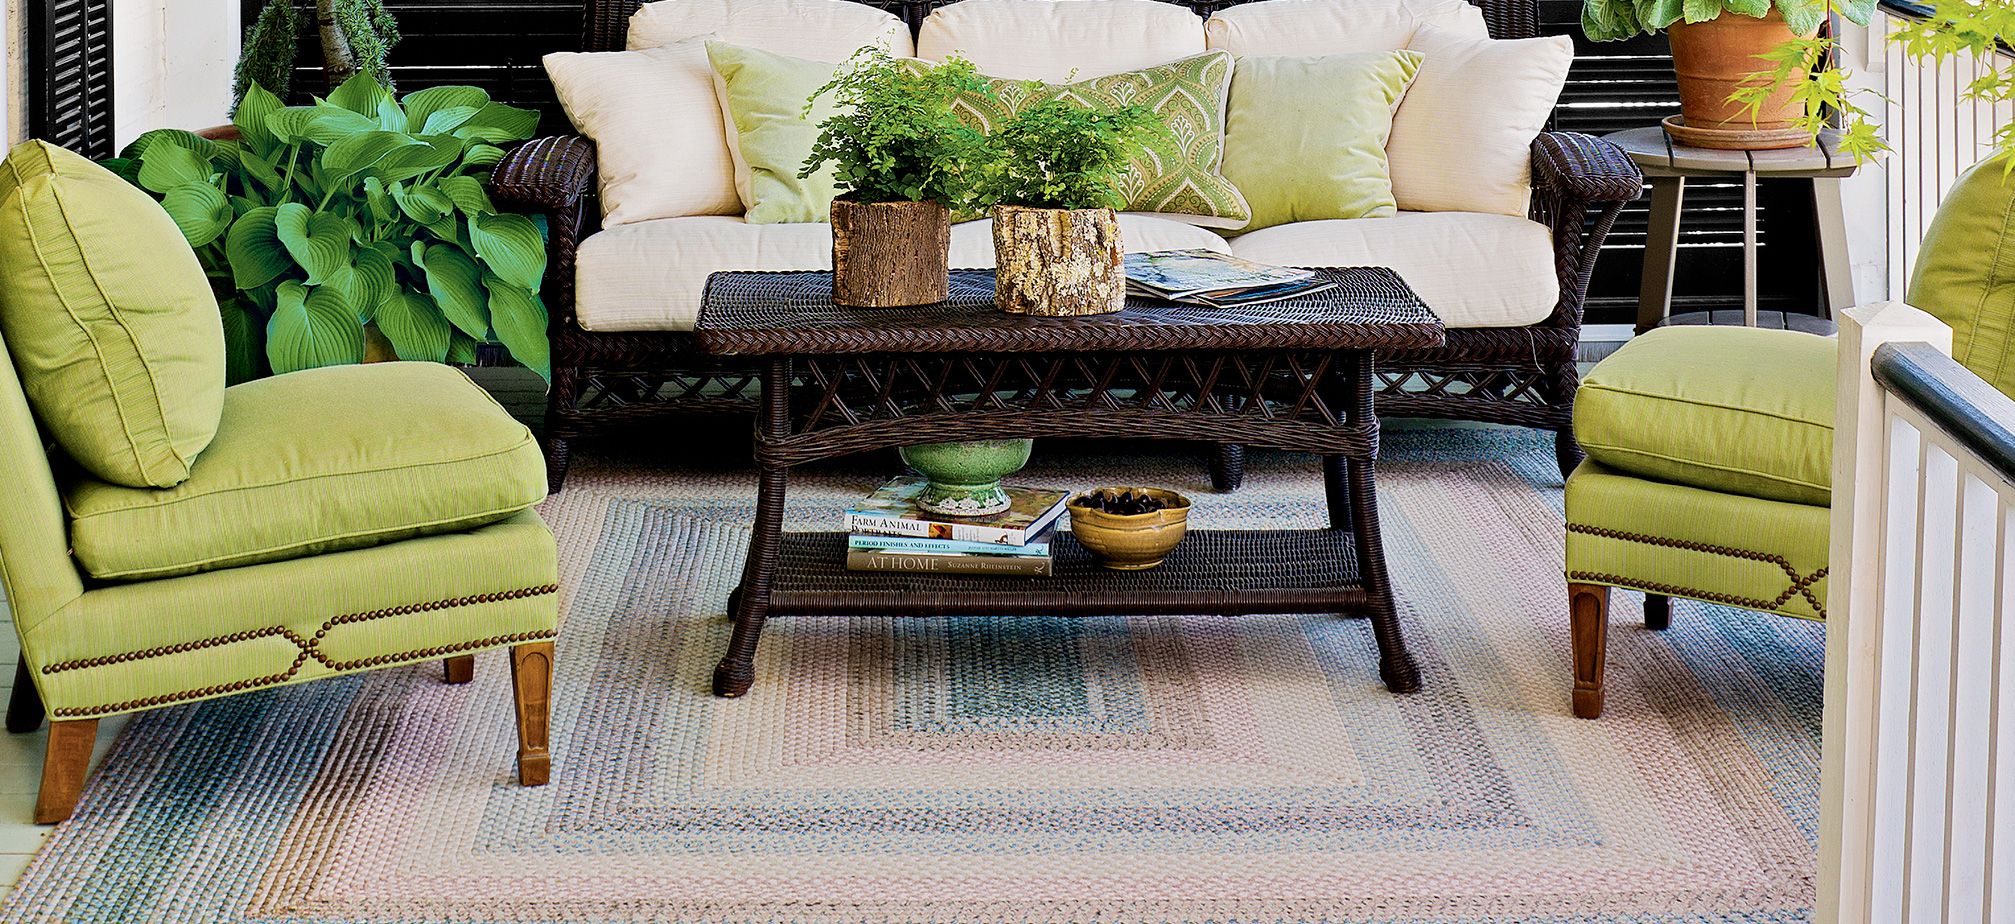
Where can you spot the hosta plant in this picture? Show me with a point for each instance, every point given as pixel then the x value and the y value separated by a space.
pixel 357 211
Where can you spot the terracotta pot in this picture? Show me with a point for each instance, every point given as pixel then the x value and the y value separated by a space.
pixel 1059 262
pixel 890 254
pixel 1712 58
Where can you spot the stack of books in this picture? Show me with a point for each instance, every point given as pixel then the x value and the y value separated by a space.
pixel 887 531
pixel 1215 280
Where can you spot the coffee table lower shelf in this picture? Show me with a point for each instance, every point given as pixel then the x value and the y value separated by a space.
pixel 1224 572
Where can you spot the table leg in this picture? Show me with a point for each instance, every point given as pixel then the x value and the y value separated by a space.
pixel 1661 251
pixel 749 604
pixel 1336 490
pixel 1395 666
pixel 1749 248
pixel 1829 215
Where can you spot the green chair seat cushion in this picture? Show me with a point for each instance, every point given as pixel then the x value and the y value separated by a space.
pixel 342 457
pixel 1682 541
pixel 110 320
pixel 1730 409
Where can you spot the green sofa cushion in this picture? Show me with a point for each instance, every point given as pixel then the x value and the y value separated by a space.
pixel 1307 135
pixel 317 461
pixel 770 132
pixel 110 320
pixel 1729 409
pixel 1965 272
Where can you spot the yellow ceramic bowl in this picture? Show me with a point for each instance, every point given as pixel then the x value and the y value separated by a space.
pixel 1134 542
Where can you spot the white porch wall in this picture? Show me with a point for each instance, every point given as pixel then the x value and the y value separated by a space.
pixel 172 64
pixel 13 80
pixel 1865 195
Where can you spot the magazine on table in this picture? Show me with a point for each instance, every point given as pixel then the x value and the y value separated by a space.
pixel 1217 280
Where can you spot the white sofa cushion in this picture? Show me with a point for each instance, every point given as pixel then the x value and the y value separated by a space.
pixel 649 275
pixel 647 110
pixel 1472 269
pixel 1303 28
pixel 821 30
pixel 1057 41
pixel 1462 138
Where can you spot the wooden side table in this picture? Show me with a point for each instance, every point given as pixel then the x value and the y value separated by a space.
pixel 1667 166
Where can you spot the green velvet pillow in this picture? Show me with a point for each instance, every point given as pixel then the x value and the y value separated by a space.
pixel 110 319
pixel 1307 135
pixel 763 99
pixel 1965 273
pixel 1177 175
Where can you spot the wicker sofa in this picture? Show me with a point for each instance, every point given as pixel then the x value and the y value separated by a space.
pixel 614 366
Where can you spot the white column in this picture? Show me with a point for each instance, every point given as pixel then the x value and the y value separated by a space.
pixel 172 63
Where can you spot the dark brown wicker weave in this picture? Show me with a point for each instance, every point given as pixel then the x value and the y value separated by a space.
pixel 1292 375
pixel 1523 375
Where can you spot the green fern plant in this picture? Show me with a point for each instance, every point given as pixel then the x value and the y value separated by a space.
pixel 356 35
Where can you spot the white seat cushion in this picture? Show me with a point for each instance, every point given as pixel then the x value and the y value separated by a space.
pixel 1304 28
pixel 649 275
pixel 1472 269
pixel 1057 41
pixel 818 30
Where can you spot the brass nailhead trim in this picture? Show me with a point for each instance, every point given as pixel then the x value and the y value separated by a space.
pixel 309 648
pixel 1800 586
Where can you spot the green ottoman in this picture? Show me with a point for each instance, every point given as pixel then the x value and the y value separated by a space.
pixel 1708 477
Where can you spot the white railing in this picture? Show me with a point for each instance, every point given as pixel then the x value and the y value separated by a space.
pixel 1933 131
pixel 1918 774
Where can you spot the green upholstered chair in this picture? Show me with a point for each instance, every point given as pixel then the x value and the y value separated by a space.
pixel 184 541
pixel 1710 450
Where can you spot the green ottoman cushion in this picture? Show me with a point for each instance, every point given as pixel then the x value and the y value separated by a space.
pixel 1965 272
pixel 341 457
pixel 1730 409
pixel 109 317
pixel 1683 541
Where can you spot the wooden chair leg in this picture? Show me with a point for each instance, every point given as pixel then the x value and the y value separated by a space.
pixel 459 669
pixel 532 681
pixel 64 765
pixel 1588 609
pixel 1657 611
pixel 24 704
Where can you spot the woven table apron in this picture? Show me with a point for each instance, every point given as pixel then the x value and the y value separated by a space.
pixel 1293 375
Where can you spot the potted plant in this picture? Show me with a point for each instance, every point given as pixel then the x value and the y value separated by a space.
pixel 902 160
pixel 357 218
pixel 1726 100
pixel 1053 176
pixel 355 37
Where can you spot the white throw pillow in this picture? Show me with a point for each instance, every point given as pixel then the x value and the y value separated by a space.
pixel 817 30
pixel 660 146
pixel 1059 41
pixel 1462 139
pixel 1304 28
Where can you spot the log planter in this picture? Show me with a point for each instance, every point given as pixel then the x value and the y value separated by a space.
pixel 1711 60
pixel 1058 262
pixel 890 254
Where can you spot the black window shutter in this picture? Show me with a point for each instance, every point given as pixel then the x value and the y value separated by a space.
pixel 70 75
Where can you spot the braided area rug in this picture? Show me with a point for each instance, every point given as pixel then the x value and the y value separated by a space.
pixel 1152 769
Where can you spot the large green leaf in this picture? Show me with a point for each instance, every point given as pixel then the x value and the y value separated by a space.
pixel 353 154
pixel 512 248
pixel 407 163
pixel 253 112
pixel 415 326
pixel 260 170
pixel 468 195
pixel 361 94
pixel 462 349
pixel 167 166
pixel 422 104
pixel 322 123
pixel 457 286
pixel 482 155
pixel 137 148
pixel 318 241
pixel 254 249
pixel 368 282
pixel 423 204
pixel 241 342
pixel 200 210
pixel 377 199
pixel 449 119
pixel 311 328
pixel 496 122
pixel 520 322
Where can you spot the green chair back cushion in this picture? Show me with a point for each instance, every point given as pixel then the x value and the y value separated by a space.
pixel 322 460
pixel 1306 137
pixel 110 320
pixel 1730 409
pixel 1965 272
pixel 770 135
pixel 1173 175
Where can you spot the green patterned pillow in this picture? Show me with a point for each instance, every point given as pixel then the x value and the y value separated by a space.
pixel 1178 175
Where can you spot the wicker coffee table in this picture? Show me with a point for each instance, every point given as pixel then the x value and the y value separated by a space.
pixel 1293 375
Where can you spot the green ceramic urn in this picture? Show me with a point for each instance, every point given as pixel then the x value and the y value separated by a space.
pixel 965 476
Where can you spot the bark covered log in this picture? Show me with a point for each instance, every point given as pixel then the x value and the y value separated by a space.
pixel 890 254
pixel 1058 262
